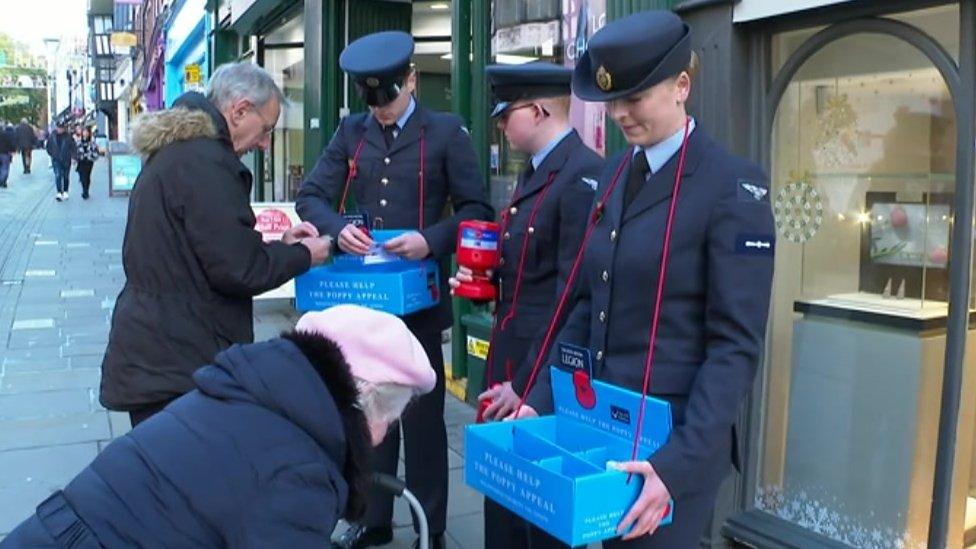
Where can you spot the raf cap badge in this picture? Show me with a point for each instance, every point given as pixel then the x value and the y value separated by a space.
pixel 603 79
pixel 372 82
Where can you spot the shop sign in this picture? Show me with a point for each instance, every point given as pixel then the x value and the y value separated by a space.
pixel 123 39
pixel 581 19
pixel 192 74
pixel 527 37
pixel 750 10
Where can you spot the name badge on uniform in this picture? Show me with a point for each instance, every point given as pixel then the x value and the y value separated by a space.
pixel 358 220
pixel 577 360
pixel 755 244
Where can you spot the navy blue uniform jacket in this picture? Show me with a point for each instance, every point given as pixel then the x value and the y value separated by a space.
pixel 252 458
pixel 555 240
pixel 716 300
pixel 386 187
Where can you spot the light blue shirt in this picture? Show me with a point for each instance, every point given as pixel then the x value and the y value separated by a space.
pixel 659 153
pixel 402 121
pixel 542 153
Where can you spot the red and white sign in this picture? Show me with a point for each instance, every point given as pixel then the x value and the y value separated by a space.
pixel 272 223
pixel 272 219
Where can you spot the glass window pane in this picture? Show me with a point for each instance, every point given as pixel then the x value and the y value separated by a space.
pixel 863 156
pixel 284 166
pixel 291 32
pixel 941 23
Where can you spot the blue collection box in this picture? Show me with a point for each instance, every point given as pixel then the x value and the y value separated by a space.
pixel 385 283
pixel 552 470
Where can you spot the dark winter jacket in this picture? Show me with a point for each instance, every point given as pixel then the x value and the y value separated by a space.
pixel 191 255
pixel 265 453
pixel 26 138
pixel 8 141
pixel 61 147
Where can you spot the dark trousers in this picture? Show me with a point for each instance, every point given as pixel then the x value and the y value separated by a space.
pixel 62 177
pixel 506 530
pixel 139 415
pixel 691 517
pixel 25 156
pixel 5 161
pixel 425 451
pixel 84 174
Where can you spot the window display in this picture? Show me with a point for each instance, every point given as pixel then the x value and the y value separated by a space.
pixel 861 186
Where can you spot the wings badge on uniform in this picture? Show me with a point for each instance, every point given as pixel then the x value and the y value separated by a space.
pixel 750 191
pixel 590 182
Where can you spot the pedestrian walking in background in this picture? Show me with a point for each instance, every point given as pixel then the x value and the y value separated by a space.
pixel 192 258
pixel 270 450
pixel 61 147
pixel 7 147
pixel 26 141
pixel 87 154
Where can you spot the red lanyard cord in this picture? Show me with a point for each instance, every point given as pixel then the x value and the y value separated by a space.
pixel 354 170
pixel 351 174
pixel 658 299
pixel 570 282
pixel 420 176
pixel 597 213
pixel 520 269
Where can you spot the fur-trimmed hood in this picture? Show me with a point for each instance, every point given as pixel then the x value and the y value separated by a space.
pixel 192 116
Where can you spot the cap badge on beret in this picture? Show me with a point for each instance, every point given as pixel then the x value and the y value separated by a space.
pixel 372 82
pixel 603 79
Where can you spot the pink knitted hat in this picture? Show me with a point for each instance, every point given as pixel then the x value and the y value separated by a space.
pixel 378 346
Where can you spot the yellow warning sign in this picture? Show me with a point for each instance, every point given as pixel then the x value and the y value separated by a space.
pixel 192 73
pixel 477 348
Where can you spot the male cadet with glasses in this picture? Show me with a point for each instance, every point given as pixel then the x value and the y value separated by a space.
pixel 401 165
pixel 542 229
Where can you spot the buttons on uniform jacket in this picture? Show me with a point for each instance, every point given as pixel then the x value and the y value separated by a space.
pixel 513 210
pixel 383 202
pixel 605 276
pixel 599 355
pixel 603 316
pixel 613 235
pixel 508 235
pixel 386 160
pixel 531 230
pixel 385 181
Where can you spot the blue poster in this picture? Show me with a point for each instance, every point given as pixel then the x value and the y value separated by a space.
pixel 125 170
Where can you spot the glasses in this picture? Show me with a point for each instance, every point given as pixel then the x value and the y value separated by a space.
pixel 266 127
pixel 509 111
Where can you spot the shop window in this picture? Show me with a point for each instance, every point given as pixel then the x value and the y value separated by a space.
pixel 862 183
pixel 284 162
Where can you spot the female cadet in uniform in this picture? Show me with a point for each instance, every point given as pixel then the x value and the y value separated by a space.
pixel 542 230
pixel 717 285
pixel 402 165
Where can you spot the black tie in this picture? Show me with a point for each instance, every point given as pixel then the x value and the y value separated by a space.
pixel 638 175
pixel 526 174
pixel 388 134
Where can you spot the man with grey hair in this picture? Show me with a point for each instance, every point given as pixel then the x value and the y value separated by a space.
pixel 192 258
